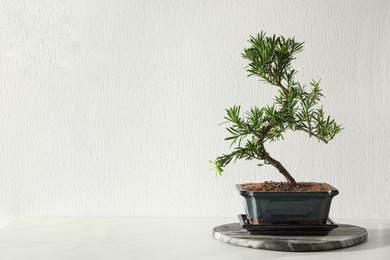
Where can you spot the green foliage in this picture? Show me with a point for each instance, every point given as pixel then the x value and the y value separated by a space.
pixel 295 108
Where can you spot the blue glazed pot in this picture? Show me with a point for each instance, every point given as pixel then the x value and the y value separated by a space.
pixel 304 207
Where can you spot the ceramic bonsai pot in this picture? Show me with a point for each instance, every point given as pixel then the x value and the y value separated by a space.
pixel 287 207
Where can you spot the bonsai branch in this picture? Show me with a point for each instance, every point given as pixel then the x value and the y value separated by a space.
pixel 301 128
pixel 277 83
pixel 265 132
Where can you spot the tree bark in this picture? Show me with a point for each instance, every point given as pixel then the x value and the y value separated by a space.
pixel 276 164
pixel 271 160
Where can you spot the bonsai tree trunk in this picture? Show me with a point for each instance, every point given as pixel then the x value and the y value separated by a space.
pixel 277 165
pixel 271 160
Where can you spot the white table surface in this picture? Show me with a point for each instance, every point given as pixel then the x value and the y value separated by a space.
pixel 148 238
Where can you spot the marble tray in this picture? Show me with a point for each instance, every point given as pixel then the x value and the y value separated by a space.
pixel 286 229
pixel 343 236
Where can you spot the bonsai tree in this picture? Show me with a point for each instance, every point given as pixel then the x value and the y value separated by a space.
pixel 295 108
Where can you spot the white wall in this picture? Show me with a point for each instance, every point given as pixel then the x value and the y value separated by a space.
pixel 111 108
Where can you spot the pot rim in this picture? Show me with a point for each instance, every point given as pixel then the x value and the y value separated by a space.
pixel 333 191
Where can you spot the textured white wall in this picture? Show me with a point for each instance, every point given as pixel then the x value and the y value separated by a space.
pixel 111 108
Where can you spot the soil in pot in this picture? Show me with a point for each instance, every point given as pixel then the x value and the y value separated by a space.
pixel 284 186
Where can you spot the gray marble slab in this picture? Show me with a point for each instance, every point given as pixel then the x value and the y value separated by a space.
pixel 343 236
